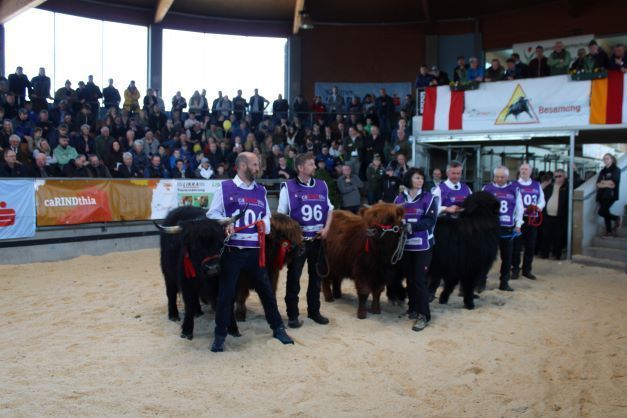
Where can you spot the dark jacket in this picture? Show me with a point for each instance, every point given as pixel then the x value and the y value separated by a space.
pixel 19 84
pixel 539 67
pixel 70 170
pixel 609 195
pixel 390 188
pixel 100 172
pixel 18 170
pixel 125 172
pixel 41 86
pixel 153 172
pixel 111 97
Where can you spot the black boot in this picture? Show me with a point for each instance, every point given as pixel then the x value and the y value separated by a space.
pixel 294 323
pixel 505 286
pixel 282 336
pixel 318 318
pixel 218 343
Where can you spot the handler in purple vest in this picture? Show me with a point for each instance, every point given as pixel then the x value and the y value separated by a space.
pixel 421 212
pixel 510 218
pixel 452 191
pixel 533 202
pixel 242 249
pixel 306 200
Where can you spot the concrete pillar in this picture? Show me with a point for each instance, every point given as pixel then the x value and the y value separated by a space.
pixel 155 56
pixel 431 52
pixel 293 70
pixel 2 51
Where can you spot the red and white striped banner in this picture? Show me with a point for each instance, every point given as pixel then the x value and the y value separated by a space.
pixel 443 109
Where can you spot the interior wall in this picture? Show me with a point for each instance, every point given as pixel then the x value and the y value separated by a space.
pixel 361 54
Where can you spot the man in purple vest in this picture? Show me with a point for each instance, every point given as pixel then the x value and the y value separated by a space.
pixel 510 219
pixel 306 200
pixel 452 191
pixel 242 249
pixel 533 202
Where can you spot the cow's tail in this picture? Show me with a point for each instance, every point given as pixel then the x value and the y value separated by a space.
pixel 322 264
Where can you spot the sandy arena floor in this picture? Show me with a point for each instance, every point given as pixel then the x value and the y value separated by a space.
pixel 90 337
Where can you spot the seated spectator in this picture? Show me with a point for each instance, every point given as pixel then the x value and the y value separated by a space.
pixel 127 169
pixel 42 147
pixel 181 171
pixel 23 126
pixel 150 101
pixel 114 157
pixel 151 144
pixel 157 119
pixel 440 77
pixel 204 171
pixel 12 167
pixel 495 72
pixel 580 62
pixel 349 186
pixel 597 56
pixel 460 72
pixel 559 59
pixel 5 133
pixel 390 186
pixel 424 79
pixel 102 143
pixel 76 168
pixel 64 152
pixel 329 160
pixel 42 169
pixel 617 61
pixel 221 173
pixel 140 159
pixel 155 170
pixel 97 169
pixel 20 149
pixel 539 67
pixel 522 69
pixel 282 171
pixel 475 72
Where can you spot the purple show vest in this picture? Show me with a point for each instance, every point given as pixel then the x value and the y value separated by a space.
pixel 530 195
pixel 235 199
pixel 308 205
pixel 414 211
pixel 507 202
pixel 450 197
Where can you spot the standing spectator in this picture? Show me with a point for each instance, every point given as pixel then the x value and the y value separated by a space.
pixel 510 70
pixel 349 186
pixel 597 56
pixel 539 67
pixel 204 106
pixel 555 216
pixel 225 107
pixel 335 104
pixel 460 71
pixel 300 107
pixel 390 185
pixel 239 106
pixel 522 69
pixel 19 84
pixel 216 103
pixel 436 179
pixel 495 72
pixel 375 174
pixel 41 90
pixel 608 186
pixel 157 120
pixel 66 93
pixel 280 107
pixel 257 105
pixel 580 62
pixel 424 79
pixel 384 105
pixel 93 94
pixel 559 59
pixel 155 170
pixel 195 103
pixel 440 77
pixel 178 102
pixel 131 98
pixel 617 61
pixel 150 101
pixel 111 96
pixel 475 72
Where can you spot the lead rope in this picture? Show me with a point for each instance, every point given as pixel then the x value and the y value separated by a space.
pixel 322 256
pixel 400 247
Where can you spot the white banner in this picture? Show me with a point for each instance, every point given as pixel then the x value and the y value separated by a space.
pixel 533 103
pixel 527 50
pixel 17 209
pixel 170 194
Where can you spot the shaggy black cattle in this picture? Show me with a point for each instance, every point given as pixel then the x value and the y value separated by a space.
pixel 190 261
pixel 465 247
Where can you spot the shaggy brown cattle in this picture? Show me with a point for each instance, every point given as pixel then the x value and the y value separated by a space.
pixel 282 244
pixel 363 247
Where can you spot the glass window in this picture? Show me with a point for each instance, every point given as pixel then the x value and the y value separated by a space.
pixel 222 63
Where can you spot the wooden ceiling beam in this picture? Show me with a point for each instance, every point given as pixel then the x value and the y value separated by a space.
pixel 298 7
pixel 163 6
pixel 11 8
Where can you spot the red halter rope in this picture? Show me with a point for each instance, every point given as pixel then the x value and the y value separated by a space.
pixel 261 234
pixel 534 216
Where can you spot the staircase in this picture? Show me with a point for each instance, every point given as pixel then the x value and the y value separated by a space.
pixel 607 252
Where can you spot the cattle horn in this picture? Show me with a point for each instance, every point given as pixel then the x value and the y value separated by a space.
pixel 367 206
pixel 169 229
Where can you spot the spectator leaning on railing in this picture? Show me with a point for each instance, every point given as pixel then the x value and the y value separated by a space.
pixel 475 72
pixel 559 59
pixel 538 67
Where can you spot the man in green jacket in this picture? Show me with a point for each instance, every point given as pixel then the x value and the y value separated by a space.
pixel 559 60
pixel 64 152
pixel 322 174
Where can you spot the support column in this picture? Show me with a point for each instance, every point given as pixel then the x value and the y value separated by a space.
pixel 571 193
pixel 155 56
pixel 2 51
pixel 293 68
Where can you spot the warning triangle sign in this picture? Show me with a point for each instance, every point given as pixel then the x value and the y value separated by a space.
pixel 518 110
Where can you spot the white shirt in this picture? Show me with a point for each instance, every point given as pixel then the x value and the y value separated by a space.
pixel 541 202
pixel 217 211
pixel 519 209
pixel 284 199
pixel 451 185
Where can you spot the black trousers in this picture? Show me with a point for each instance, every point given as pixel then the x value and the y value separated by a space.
pixel 527 241
pixel 415 268
pixel 506 248
pixel 294 271
pixel 552 236
pixel 608 217
pixel 233 262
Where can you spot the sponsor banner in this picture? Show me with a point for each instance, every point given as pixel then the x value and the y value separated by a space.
pixel 527 50
pixel 350 90
pixel 17 209
pixel 533 103
pixel 197 193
